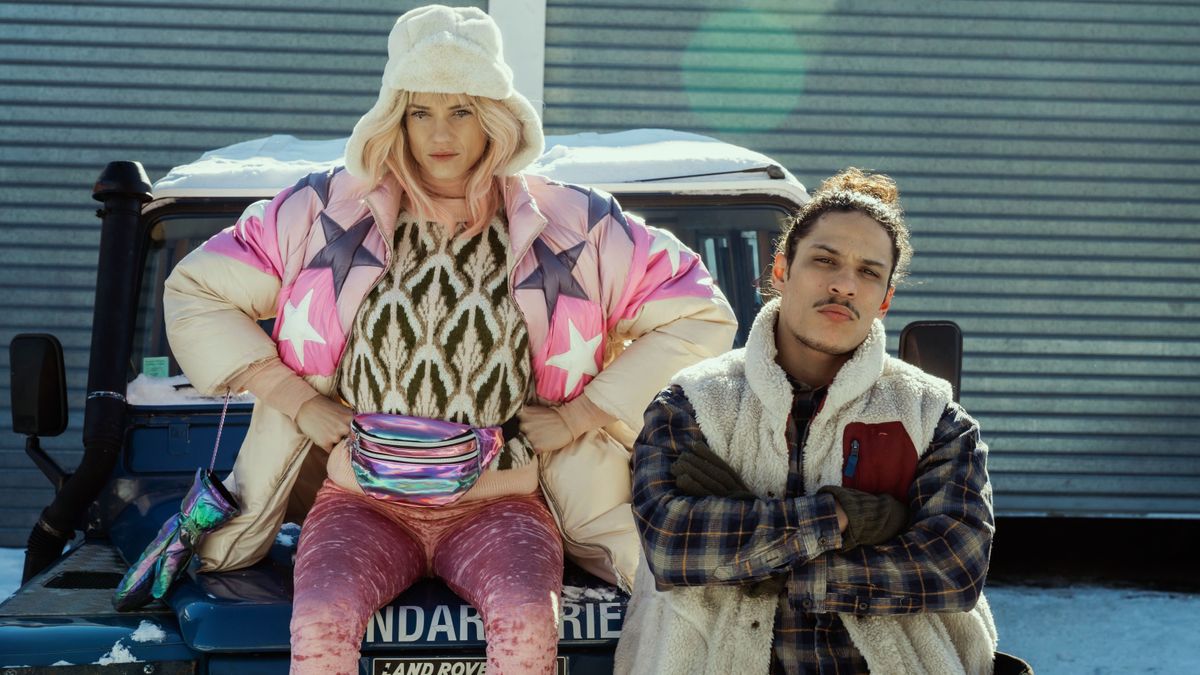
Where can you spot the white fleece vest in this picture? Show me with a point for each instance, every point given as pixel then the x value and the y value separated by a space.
pixel 742 400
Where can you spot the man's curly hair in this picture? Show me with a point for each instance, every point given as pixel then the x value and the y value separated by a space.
pixel 872 194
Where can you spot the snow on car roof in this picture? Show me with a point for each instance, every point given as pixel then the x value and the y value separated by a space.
pixel 264 166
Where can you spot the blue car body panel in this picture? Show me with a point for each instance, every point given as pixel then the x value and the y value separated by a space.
pixel 78 641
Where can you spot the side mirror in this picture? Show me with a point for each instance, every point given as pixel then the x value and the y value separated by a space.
pixel 38 385
pixel 936 348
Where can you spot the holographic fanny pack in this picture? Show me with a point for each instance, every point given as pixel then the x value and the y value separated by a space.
pixel 421 461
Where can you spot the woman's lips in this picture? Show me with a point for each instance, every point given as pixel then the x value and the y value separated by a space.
pixel 443 155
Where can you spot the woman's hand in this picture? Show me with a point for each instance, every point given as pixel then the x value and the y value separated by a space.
pixel 545 428
pixel 324 420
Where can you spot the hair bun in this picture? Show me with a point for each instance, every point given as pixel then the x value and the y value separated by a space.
pixel 877 185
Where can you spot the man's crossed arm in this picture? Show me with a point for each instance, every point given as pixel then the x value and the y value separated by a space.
pixel 936 564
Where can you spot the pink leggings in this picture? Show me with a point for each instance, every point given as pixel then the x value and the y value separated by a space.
pixel 356 554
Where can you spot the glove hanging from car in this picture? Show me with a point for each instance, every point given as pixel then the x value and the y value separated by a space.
pixel 206 506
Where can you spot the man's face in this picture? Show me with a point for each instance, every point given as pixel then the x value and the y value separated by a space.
pixel 837 283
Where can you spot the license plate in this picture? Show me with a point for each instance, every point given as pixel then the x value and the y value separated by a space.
pixel 441 666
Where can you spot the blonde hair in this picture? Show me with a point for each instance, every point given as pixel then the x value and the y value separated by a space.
pixel 386 152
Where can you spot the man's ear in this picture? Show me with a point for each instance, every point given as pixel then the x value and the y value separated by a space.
pixel 887 302
pixel 779 272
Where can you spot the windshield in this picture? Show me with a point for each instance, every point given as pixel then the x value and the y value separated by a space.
pixel 735 240
pixel 171 238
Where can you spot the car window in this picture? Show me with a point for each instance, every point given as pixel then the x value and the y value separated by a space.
pixel 171 238
pixel 736 243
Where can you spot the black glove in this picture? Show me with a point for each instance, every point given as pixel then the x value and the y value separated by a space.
pixel 701 473
pixel 873 519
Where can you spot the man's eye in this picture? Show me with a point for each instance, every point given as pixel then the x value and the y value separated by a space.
pixel 870 272
pixel 823 261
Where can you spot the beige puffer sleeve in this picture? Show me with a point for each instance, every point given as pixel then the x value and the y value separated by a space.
pixel 667 337
pixel 215 296
pixel 669 313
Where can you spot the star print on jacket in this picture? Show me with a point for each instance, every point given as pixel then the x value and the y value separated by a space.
pixel 578 360
pixel 319 182
pixel 553 274
pixel 344 250
pixel 296 328
pixel 666 242
pixel 601 204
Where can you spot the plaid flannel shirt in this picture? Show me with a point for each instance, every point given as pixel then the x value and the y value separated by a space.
pixel 938 564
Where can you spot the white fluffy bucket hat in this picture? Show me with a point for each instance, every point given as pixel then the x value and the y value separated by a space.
pixel 448 50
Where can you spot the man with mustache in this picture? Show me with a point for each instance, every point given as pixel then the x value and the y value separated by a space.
pixel 808 504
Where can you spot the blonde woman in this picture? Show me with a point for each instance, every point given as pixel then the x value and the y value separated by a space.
pixel 431 280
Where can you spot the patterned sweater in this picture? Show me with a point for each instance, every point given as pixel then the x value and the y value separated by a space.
pixel 439 335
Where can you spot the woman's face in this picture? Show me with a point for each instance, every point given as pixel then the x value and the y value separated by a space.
pixel 445 138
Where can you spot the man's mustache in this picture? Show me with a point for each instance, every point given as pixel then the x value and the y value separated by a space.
pixel 841 303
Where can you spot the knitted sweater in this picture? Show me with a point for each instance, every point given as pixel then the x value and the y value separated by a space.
pixel 439 335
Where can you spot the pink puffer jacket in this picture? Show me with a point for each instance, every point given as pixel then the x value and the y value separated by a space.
pixel 614 308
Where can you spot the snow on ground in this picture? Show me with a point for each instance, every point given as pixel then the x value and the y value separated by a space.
pixel 1096 630
pixel 1060 631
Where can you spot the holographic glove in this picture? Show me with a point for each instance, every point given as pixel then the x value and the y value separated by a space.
pixel 205 507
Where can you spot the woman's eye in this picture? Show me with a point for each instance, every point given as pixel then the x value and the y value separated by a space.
pixel 462 113
pixel 418 114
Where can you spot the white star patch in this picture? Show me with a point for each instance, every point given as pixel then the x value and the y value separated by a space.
pixel 296 327
pixel 665 241
pixel 578 360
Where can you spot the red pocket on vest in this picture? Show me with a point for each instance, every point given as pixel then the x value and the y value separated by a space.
pixel 878 458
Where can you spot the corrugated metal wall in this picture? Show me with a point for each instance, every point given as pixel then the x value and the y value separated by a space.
pixel 85 83
pixel 1048 156
pixel 1047 151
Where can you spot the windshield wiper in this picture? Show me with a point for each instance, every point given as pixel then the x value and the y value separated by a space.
pixel 772 170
